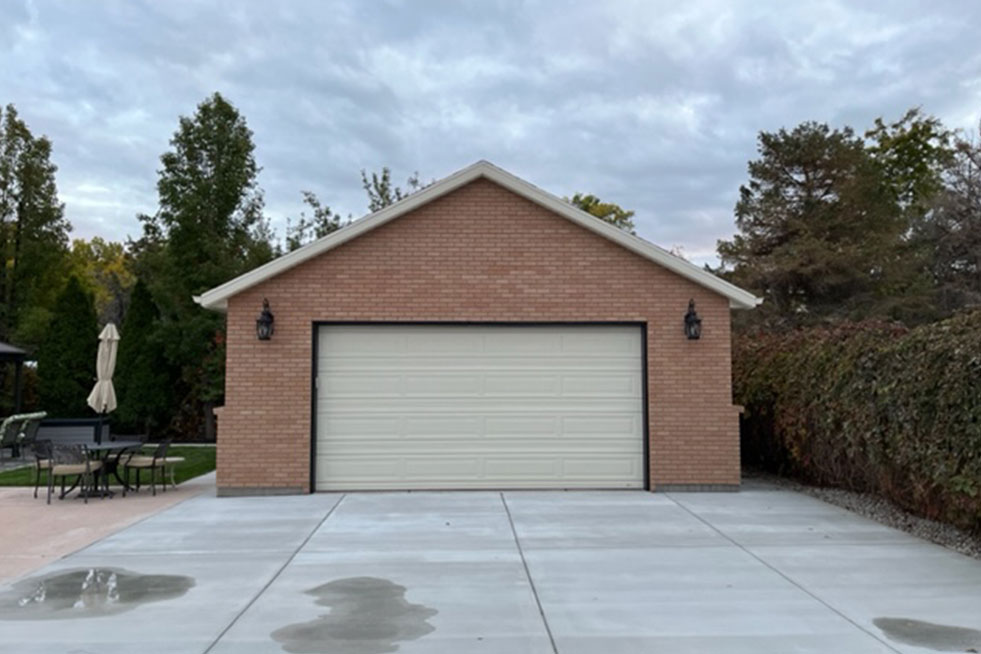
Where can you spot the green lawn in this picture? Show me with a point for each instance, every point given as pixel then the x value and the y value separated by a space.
pixel 198 460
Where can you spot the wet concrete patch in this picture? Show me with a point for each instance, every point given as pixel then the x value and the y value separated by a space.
pixel 938 637
pixel 367 616
pixel 87 593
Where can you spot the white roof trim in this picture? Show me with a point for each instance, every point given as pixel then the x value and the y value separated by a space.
pixel 217 298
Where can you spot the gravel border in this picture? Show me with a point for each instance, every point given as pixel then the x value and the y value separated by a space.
pixel 874 508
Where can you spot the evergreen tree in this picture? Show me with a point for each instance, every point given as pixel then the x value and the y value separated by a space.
pixel 33 232
pixel 66 357
pixel 143 385
pixel 820 231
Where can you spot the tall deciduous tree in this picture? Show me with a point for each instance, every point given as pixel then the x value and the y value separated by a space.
pixel 320 223
pixel 142 383
pixel 209 228
pixel 66 357
pixel 605 211
pixel 820 232
pixel 382 192
pixel 33 231
pixel 951 232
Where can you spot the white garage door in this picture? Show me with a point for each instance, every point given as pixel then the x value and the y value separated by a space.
pixel 413 407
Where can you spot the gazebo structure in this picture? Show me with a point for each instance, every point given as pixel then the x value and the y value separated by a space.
pixel 16 356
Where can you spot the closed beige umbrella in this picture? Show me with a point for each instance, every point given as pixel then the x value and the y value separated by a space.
pixel 102 399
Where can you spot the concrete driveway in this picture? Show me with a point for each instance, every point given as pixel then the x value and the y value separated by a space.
pixel 519 572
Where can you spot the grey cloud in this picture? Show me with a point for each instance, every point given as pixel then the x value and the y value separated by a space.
pixel 653 105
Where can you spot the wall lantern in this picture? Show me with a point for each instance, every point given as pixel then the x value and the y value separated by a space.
pixel 693 324
pixel 264 323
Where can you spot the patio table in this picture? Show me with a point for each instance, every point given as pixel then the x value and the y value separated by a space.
pixel 110 464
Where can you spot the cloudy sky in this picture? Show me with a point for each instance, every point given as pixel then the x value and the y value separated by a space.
pixel 654 105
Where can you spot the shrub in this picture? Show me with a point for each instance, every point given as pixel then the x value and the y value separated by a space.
pixel 871 407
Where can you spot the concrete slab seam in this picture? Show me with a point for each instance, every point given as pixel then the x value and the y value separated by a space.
pixel 275 576
pixel 531 582
pixel 785 576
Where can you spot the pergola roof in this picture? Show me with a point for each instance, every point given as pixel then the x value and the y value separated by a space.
pixel 9 352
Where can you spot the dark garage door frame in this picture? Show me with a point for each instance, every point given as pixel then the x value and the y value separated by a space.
pixel 315 342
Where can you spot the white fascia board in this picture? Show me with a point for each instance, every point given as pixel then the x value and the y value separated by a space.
pixel 217 298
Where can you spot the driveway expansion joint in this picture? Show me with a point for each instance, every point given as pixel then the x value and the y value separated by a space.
pixel 782 574
pixel 275 576
pixel 531 582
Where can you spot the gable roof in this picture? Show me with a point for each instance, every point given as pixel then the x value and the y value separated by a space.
pixel 217 298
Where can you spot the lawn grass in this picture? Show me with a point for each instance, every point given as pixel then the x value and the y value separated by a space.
pixel 198 460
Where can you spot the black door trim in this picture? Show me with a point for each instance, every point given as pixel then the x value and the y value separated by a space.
pixel 317 324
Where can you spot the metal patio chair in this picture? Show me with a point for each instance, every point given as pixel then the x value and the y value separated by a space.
pixel 158 461
pixel 70 461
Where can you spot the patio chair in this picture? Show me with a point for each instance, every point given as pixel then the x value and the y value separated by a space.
pixel 158 461
pixel 10 435
pixel 19 430
pixel 70 461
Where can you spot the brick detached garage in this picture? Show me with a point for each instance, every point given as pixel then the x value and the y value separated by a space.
pixel 481 333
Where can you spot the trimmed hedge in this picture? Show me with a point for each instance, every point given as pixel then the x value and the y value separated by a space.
pixel 871 407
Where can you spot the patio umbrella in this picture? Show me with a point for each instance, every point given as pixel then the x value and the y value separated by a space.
pixel 102 399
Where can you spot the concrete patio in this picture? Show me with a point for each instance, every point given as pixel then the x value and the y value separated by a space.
pixel 519 572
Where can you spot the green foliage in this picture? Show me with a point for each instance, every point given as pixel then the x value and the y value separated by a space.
pixel 33 232
pixel 106 271
pixel 870 406
pixel 382 193
pixel 913 153
pixel 66 358
pixel 819 233
pixel 605 211
pixel 143 380
pixel 949 235
pixel 209 228
pixel 322 222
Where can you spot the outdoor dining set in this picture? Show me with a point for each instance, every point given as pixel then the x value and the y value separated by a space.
pixel 88 466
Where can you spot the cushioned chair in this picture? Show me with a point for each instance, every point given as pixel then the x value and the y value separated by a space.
pixel 28 440
pixel 159 461
pixel 19 430
pixel 69 461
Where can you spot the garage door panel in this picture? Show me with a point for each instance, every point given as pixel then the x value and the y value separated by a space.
pixel 443 341
pixel 428 385
pixel 626 385
pixel 479 407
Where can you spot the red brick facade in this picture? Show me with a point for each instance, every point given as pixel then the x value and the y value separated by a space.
pixel 480 253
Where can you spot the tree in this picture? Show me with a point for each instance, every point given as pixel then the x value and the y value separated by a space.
pixel 913 153
pixel 382 193
pixel 66 357
pixel 606 211
pixel 208 229
pixel 143 385
pixel 820 232
pixel 106 271
pixel 951 232
pixel 322 222
pixel 33 232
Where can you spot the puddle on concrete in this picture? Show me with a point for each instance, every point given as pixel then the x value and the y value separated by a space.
pixel 367 616
pixel 87 593
pixel 938 637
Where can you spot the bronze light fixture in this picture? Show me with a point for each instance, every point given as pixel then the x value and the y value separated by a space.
pixel 264 323
pixel 693 324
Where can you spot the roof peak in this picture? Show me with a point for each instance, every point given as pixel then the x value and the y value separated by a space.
pixel 217 298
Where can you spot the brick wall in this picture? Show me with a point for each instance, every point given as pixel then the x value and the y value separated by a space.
pixel 479 253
